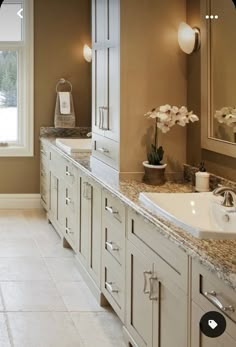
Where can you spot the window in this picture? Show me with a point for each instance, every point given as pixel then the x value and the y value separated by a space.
pixel 16 78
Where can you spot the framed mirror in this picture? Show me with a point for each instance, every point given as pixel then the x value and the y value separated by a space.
pixel 218 76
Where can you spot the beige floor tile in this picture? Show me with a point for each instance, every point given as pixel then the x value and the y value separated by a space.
pixel 78 297
pixel 23 269
pixel 63 269
pixel 14 232
pixel 18 248
pixel 54 249
pixel 101 329
pixel 43 329
pixel 4 336
pixel 31 296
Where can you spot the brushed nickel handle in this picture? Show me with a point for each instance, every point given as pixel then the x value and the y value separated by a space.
pixel 110 209
pixel 43 152
pixel 113 247
pixel 151 281
pixel 68 201
pixel 100 117
pixel 145 291
pixel 69 231
pixel 105 108
pixel 212 296
pixel 103 150
pixel 68 173
pixel 110 288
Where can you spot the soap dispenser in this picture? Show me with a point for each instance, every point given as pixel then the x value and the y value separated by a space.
pixel 202 179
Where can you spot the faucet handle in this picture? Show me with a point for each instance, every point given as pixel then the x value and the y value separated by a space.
pixel 228 199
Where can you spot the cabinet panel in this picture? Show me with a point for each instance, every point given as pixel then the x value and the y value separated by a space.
pixel 99 19
pixel 98 88
pixel 95 233
pixel 139 306
pixel 85 220
pixel 170 313
pixel 198 339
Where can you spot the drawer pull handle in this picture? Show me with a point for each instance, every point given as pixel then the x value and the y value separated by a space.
pixel 68 201
pixel 110 209
pixel 103 150
pixel 68 173
pixel 151 296
pixel 110 288
pixel 43 152
pixel 113 247
pixel 213 298
pixel 145 291
pixel 69 231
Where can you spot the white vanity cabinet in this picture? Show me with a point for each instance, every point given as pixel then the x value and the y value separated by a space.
pixel 157 289
pixel 211 294
pixel 89 237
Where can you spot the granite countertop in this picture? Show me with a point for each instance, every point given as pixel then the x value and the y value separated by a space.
pixel 218 256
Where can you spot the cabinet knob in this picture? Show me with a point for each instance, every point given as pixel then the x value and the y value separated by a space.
pixel 68 201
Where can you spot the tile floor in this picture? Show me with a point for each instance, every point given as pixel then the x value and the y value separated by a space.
pixel 44 301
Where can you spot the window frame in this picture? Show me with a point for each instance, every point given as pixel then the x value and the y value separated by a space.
pixel 25 86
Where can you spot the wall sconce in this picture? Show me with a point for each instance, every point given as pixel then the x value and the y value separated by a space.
pixel 87 53
pixel 188 38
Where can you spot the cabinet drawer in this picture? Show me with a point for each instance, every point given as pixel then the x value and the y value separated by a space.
pixel 114 242
pixel 113 286
pixel 207 288
pixel 142 234
pixel 70 228
pixel 71 199
pixel 114 211
pixel 106 150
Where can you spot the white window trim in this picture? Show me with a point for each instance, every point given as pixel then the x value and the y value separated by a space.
pixel 25 87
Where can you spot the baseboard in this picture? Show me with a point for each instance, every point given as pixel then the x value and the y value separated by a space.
pixel 20 201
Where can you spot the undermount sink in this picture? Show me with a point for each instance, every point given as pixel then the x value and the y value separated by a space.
pixel 200 214
pixel 72 146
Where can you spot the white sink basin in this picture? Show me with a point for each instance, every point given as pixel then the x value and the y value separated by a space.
pixel 201 214
pixel 72 146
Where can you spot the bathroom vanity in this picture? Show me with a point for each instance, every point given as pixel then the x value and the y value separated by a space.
pixel 158 278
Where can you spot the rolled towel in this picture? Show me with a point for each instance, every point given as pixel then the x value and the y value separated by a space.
pixel 64 100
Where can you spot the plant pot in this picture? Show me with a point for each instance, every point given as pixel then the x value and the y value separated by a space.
pixel 154 174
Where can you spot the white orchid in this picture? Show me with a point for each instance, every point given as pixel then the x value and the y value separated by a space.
pixel 166 117
pixel 227 115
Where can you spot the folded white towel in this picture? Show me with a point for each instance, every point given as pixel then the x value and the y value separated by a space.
pixel 64 99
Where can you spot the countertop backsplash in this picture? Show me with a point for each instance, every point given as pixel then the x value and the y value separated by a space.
pixel 189 176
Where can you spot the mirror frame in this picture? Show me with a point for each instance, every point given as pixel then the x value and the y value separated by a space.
pixel 207 141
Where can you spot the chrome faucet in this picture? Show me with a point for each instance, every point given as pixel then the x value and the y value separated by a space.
pixel 229 195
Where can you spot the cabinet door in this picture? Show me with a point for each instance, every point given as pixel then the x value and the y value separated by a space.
pixel 98 21
pixel 170 312
pixel 98 91
pixel 198 339
pixel 94 260
pixel 139 306
pixel 85 220
pixel 111 113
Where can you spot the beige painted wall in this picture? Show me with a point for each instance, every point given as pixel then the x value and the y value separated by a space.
pixel 153 73
pixel 216 163
pixel 61 29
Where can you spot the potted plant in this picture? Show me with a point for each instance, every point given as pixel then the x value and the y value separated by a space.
pixel 165 117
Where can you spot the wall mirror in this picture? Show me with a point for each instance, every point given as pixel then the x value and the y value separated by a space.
pixel 218 76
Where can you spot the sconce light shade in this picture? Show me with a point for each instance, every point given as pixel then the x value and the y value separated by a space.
pixel 188 38
pixel 87 53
